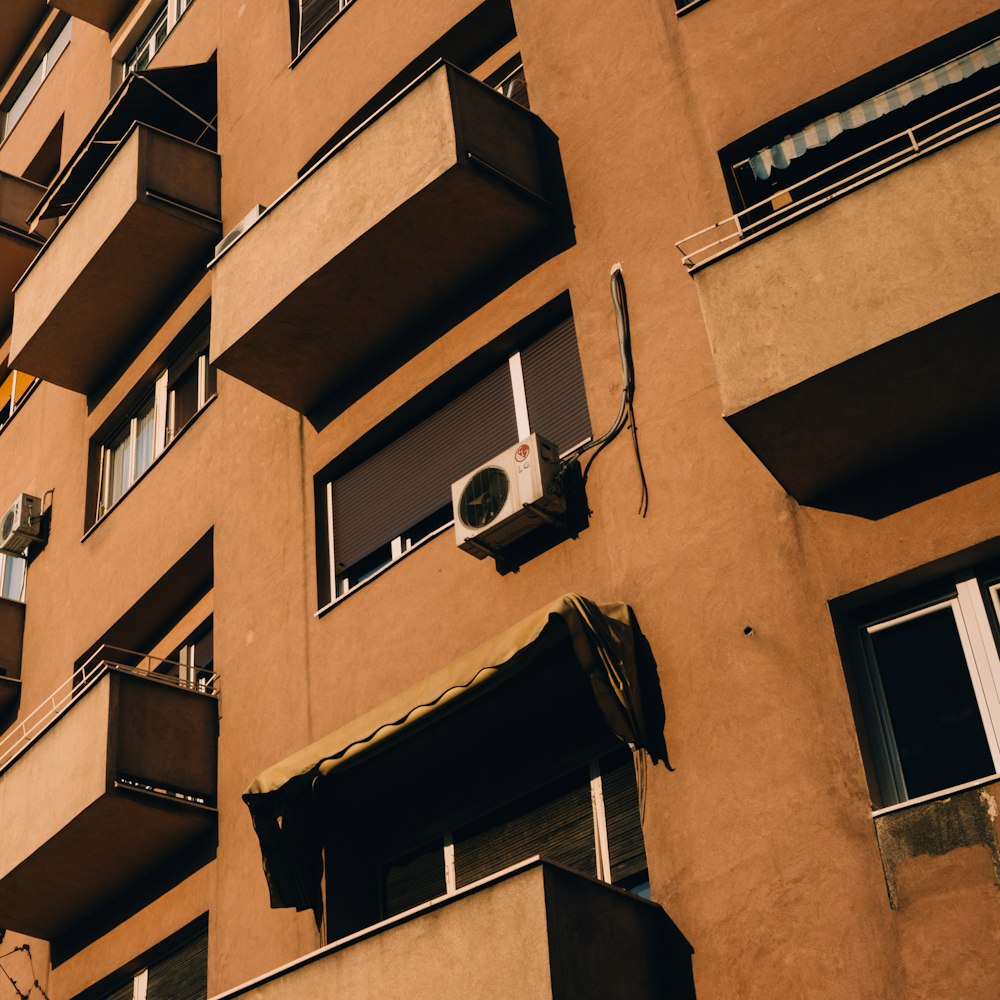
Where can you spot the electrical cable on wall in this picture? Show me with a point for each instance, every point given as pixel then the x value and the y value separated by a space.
pixel 626 413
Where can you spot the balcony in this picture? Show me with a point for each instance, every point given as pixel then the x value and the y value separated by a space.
pixel 106 14
pixel 143 225
pixel 401 219
pixel 18 247
pixel 535 932
pixel 110 778
pixel 853 335
pixel 21 18
pixel 11 635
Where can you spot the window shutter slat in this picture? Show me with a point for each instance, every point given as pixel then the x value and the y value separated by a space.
pixel 557 822
pixel 621 811
pixel 411 478
pixel 553 384
pixel 414 879
pixel 315 16
pixel 183 974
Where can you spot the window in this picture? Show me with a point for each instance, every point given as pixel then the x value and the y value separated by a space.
pixel 14 391
pixel 931 96
pixel 23 95
pixel 928 690
pixel 382 508
pixel 312 16
pixel 155 35
pixel 193 662
pixel 13 570
pixel 509 80
pixel 180 975
pixel 179 393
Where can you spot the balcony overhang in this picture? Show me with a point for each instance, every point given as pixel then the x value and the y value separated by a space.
pixel 865 332
pixel 536 932
pixel 118 784
pixel 21 18
pixel 106 14
pixel 18 247
pixel 147 221
pixel 398 221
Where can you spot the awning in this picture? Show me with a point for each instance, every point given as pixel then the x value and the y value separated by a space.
pixel 819 133
pixel 606 643
pixel 181 100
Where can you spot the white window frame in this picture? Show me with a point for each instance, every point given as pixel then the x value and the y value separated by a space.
pixel 341 584
pixel 168 14
pixel 165 429
pixel 6 560
pixel 25 94
pixel 982 659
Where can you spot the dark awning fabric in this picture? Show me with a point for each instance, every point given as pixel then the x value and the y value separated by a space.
pixel 607 645
pixel 181 100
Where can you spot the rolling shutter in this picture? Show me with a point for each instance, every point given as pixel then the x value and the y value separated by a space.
pixel 315 15
pixel 414 879
pixel 621 811
pixel 124 992
pixel 183 974
pixel 556 821
pixel 411 478
pixel 553 384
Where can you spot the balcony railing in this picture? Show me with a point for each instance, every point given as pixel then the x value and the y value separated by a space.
pixel 839 179
pixel 103 660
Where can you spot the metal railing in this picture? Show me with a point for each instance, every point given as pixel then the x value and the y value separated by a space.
pixel 101 662
pixel 824 186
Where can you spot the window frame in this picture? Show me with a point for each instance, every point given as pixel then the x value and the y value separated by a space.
pixel 167 16
pixel 973 598
pixel 51 51
pixel 340 586
pixel 160 401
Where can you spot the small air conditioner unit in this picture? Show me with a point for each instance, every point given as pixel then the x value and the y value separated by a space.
pixel 508 497
pixel 21 525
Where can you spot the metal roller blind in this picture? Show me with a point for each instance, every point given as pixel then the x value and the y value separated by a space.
pixel 557 821
pixel 411 478
pixel 414 879
pixel 315 15
pixel 124 992
pixel 553 385
pixel 183 974
pixel 621 811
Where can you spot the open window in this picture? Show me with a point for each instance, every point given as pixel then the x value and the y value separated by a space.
pixel 925 673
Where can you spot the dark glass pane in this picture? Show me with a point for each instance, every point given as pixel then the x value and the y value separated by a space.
pixel 938 731
pixel 185 390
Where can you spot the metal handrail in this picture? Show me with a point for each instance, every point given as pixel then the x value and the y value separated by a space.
pixel 739 229
pixel 101 662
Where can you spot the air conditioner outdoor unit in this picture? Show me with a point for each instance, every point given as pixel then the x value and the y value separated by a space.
pixel 508 497
pixel 21 525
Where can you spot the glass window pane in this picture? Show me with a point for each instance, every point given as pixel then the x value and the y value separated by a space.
pixel 185 390
pixel 144 438
pixel 935 720
pixel 12 585
pixel 118 465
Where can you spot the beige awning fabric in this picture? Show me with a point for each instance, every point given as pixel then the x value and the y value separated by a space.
pixel 606 643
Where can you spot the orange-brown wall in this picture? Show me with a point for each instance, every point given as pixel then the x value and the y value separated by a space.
pixel 761 843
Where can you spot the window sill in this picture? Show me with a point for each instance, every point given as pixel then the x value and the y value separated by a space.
pixel 330 605
pixel 933 796
pixel 152 465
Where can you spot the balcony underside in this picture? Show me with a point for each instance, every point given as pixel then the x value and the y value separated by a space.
pixel 859 339
pixel 144 226
pixel 344 274
pixel 101 854
pixel 106 14
pixel 20 19
pixel 541 933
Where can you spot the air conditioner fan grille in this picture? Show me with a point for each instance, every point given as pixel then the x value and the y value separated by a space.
pixel 484 497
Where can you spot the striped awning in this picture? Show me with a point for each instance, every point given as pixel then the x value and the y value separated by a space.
pixel 819 133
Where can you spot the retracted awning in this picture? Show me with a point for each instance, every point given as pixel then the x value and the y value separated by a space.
pixel 605 643
pixel 181 100
pixel 819 133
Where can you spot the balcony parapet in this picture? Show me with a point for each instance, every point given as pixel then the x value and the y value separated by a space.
pixel 536 931
pixel 862 335
pixel 106 14
pixel 447 181
pixel 109 778
pixel 143 224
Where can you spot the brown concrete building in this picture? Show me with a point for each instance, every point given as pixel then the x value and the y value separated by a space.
pixel 699 696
